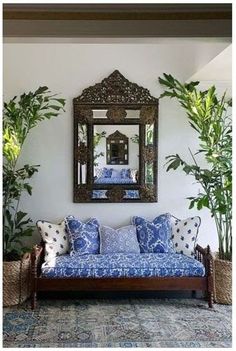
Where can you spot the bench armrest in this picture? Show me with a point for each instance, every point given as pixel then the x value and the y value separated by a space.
pixel 205 257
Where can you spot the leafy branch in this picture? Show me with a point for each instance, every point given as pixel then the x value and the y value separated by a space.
pixel 208 116
pixel 20 115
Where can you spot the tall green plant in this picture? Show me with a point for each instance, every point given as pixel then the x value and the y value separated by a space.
pixel 20 115
pixel 208 116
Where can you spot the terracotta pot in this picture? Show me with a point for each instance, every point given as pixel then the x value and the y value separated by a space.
pixel 16 281
pixel 223 281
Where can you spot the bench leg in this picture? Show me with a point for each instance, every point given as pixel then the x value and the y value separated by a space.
pixel 33 300
pixel 210 299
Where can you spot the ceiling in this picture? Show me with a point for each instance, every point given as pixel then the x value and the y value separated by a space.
pixel 117 20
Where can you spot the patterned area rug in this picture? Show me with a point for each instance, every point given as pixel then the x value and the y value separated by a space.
pixel 118 323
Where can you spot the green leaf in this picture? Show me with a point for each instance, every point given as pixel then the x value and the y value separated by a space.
pixel 48 115
pixel 167 93
pixel 191 86
pixel 55 107
pixel 61 101
pixel 28 188
pixel 20 215
pixel 187 169
pixel 173 165
pixel 165 82
pixel 41 90
pixel 199 204
pixel 192 203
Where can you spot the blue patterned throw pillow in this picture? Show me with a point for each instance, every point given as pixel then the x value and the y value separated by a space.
pixel 122 240
pixel 155 236
pixel 84 237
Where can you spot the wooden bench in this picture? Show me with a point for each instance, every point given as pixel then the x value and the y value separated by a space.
pixel 205 284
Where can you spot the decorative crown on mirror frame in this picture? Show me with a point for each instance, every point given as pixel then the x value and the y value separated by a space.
pixel 116 89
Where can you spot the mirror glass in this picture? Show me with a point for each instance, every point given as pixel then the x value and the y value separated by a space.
pixel 102 194
pixel 132 113
pixel 82 154
pixel 149 128
pixel 149 173
pixel 99 114
pixel 116 154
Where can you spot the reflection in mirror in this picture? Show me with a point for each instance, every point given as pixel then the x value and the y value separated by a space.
pixel 132 114
pixel 129 194
pixel 117 149
pixel 99 114
pixel 103 114
pixel 82 172
pixel 82 133
pixel 149 128
pixel 82 153
pixel 117 164
pixel 149 173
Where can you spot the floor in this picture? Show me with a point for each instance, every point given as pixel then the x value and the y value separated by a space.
pixel 130 322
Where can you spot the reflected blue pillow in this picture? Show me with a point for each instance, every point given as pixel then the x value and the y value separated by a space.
pixel 125 173
pixel 155 236
pixel 115 174
pixel 107 172
pixel 83 237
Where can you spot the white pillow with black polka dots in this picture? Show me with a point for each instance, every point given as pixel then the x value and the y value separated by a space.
pixel 55 238
pixel 99 172
pixel 184 234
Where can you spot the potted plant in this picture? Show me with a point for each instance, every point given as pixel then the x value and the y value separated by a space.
pixel 208 116
pixel 20 115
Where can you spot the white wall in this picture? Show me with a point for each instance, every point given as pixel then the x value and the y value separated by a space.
pixel 67 69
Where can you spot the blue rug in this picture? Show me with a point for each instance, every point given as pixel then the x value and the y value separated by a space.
pixel 118 323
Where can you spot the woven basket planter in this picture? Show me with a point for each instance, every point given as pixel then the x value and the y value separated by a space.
pixel 223 281
pixel 16 281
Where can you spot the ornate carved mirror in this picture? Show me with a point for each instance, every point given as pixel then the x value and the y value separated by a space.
pixel 115 142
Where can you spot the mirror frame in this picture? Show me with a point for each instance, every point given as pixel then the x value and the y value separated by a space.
pixel 116 95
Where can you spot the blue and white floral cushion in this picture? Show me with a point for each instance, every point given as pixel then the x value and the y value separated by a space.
pixel 121 265
pixel 84 237
pixel 55 238
pixel 155 236
pixel 122 240
pixel 184 234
